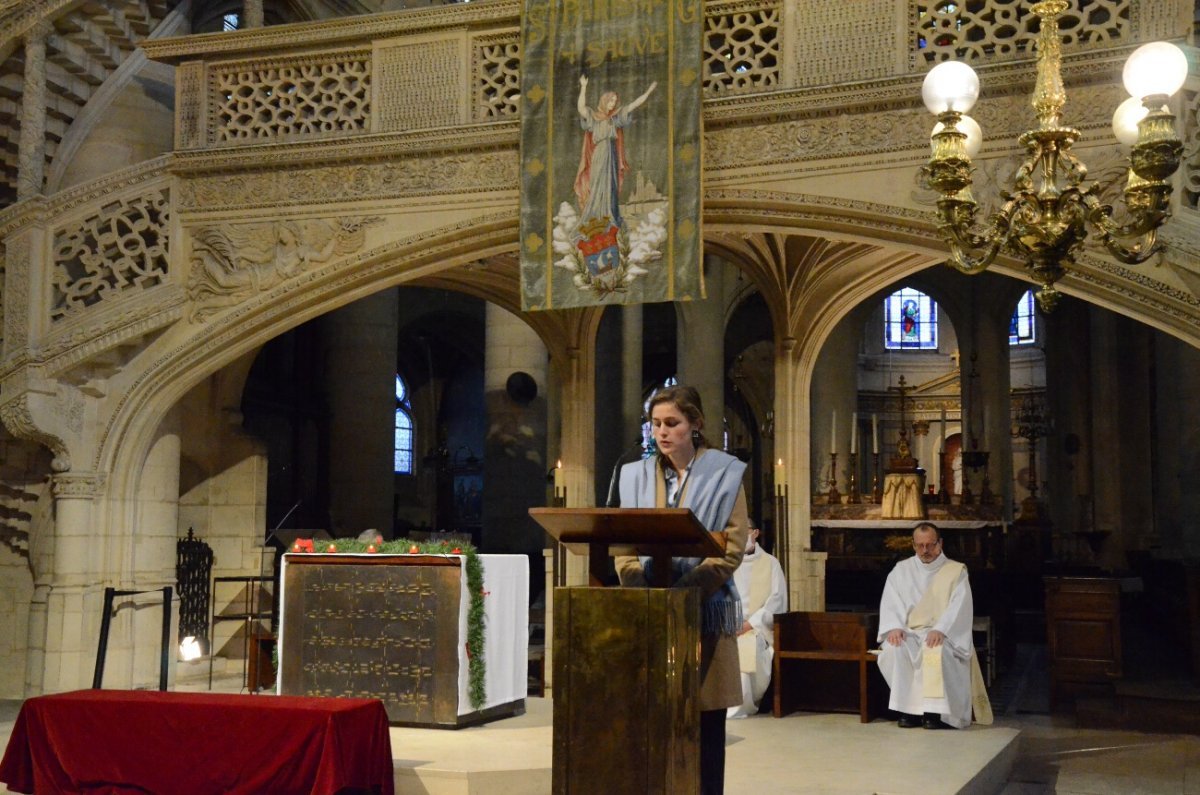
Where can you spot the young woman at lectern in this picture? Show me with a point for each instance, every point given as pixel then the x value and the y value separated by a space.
pixel 688 473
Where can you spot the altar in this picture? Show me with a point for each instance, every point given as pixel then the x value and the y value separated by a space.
pixel 862 547
pixel 398 628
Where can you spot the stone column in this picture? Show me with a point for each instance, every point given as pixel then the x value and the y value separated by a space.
pixel 1106 432
pixel 1134 372
pixel 1068 398
pixel 701 353
pixel 631 373
pixel 31 173
pixel 515 458
pixel 252 14
pixel 805 570
pixel 993 416
pixel 1176 439
pixel 573 365
pixel 360 373
pixel 65 613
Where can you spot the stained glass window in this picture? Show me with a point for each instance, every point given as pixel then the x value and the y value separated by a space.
pixel 1022 329
pixel 404 429
pixel 909 320
pixel 230 22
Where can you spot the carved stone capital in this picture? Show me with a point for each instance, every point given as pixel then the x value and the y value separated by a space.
pixel 78 485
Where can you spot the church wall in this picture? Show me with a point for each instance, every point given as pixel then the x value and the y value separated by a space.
pixel 138 125
pixel 1177 447
pixel 222 496
pixel 26 519
pixel 515 459
pixel 835 389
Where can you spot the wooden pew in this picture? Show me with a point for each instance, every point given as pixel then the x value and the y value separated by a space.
pixel 823 663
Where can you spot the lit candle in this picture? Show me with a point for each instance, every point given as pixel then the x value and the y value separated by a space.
pixel 833 434
pixel 853 432
pixel 780 478
pixel 875 434
pixel 558 475
pixel 942 445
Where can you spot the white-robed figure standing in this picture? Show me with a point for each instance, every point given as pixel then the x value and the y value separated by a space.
pixel 927 654
pixel 763 589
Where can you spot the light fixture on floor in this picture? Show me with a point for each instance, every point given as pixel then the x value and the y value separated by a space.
pixel 1047 211
pixel 189 649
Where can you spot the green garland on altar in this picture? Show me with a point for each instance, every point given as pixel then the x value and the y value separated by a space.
pixel 476 665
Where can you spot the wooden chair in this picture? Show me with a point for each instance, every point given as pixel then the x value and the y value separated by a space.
pixel 823 663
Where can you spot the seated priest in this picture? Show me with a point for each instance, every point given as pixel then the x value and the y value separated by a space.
pixel 763 589
pixel 927 654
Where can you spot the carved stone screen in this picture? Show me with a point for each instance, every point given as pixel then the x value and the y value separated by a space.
pixel 374 627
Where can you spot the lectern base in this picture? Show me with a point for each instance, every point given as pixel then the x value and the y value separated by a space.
pixel 627 683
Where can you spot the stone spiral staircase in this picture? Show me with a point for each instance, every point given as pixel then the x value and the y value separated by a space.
pixel 86 44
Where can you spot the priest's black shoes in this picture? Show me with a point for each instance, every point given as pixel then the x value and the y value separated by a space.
pixel 908 721
pixel 931 720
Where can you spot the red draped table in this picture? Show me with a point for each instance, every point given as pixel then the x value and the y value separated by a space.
pixel 120 741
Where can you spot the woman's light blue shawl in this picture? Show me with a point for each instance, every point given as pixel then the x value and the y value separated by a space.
pixel 711 490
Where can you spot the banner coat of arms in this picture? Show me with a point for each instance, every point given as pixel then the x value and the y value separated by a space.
pixel 610 152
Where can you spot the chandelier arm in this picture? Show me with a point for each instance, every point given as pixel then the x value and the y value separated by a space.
pixel 1143 229
pixel 973 251
pixel 1146 246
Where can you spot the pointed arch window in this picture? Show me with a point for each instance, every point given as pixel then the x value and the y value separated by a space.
pixel 1022 329
pixel 404 429
pixel 909 321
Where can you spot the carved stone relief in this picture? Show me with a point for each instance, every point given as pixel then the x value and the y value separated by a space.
pixel 19 420
pixel 16 295
pixel 460 172
pixel 190 105
pixel 999 29
pixel 496 70
pixel 234 262
pixel 419 85
pixel 288 97
pixel 741 49
pixel 78 485
pixel 123 247
pixel 886 129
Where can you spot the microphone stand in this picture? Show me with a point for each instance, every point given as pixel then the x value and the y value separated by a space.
pixel 613 500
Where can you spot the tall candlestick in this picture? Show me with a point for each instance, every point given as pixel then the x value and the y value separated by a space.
pixel 558 476
pixel 875 433
pixel 942 445
pixel 833 434
pixel 853 432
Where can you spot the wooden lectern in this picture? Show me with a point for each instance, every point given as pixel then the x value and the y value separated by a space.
pixel 627 660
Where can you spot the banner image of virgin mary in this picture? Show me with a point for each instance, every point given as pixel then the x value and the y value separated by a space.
pixel 598 247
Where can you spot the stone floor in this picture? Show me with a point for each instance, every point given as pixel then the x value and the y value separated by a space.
pixel 812 753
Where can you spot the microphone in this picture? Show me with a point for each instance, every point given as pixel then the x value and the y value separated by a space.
pixel 286 515
pixel 613 500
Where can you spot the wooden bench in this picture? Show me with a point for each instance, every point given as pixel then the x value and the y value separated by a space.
pixel 823 663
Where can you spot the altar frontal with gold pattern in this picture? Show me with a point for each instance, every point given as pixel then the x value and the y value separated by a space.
pixel 610 152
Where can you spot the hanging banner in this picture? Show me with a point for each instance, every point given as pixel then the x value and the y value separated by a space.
pixel 610 152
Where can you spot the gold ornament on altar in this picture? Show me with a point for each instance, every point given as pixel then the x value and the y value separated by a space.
pixel 1049 209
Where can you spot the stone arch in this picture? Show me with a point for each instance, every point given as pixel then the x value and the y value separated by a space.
pixel 180 359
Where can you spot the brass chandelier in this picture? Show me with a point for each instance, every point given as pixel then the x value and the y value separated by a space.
pixel 1048 211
